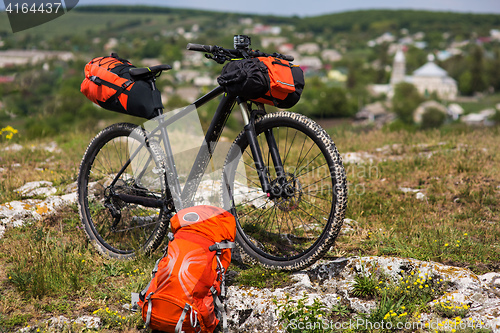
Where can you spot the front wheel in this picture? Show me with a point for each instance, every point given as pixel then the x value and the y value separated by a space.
pixel 297 223
pixel 119 227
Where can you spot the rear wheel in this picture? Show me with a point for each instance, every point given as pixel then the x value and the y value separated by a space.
pixel 120 229
pixel 297 223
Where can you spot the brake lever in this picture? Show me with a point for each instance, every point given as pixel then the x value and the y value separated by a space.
pixel 220 59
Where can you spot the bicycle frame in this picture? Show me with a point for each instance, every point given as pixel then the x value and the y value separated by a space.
pixel 183 198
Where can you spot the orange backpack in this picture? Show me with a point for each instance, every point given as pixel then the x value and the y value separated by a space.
pixel 183 295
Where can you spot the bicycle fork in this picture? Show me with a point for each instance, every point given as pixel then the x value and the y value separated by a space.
pixel 272 190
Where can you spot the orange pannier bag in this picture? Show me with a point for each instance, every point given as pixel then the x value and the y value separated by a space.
pixel 183 295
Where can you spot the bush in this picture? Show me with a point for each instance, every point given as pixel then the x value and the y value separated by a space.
pixel 432 118
pixel 406 99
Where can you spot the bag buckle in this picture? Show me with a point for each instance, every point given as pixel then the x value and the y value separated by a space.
pixel 96 80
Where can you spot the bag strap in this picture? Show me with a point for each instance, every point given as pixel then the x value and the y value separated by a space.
pixel 220 308
pixel 221 271
pixel 150 309
pixel 178 327
pixel 225 244
pixel 142 294
pixel 119 89
pixel 115 55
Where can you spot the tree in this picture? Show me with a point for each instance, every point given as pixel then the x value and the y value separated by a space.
pixel 333 102
pixel 494 70
pixel 406 99
pixel 465 83
pixel 477 70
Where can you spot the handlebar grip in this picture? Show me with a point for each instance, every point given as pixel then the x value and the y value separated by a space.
pixel 200 47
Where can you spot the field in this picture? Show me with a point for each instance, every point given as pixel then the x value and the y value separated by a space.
pixel 430 195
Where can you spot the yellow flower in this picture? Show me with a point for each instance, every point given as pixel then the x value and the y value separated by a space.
pixel 446 244
pixel 465 234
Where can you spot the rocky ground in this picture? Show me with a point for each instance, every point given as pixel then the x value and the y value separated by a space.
pixel 255 310
pixel 330 282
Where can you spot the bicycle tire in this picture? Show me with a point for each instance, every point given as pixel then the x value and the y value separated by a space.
pixel 136 228
pixel 288 233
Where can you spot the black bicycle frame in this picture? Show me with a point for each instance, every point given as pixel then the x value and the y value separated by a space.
pixel 185 197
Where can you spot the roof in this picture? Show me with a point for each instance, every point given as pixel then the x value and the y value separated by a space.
pixel 430 69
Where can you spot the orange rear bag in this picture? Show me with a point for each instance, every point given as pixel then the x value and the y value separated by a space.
pixel 108 84
pixel 188 281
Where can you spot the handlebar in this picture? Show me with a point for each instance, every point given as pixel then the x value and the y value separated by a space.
pixel 220 54
pixel 200 48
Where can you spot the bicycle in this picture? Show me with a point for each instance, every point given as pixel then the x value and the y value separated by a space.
pixel 289 216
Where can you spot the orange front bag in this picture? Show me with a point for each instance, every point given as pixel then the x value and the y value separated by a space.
pixel 187 282
pixel 286 83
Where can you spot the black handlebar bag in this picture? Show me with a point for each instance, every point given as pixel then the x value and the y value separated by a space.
pixel 267 80
pixel 247 78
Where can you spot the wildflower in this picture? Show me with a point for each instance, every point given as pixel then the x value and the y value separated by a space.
pixel 446 244
pixel 465 234
pixel 83 260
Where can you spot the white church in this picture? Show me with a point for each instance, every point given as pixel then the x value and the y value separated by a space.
pixel 427 79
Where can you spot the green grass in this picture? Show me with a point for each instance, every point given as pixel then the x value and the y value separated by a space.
pixel 49 268
pixel 458 220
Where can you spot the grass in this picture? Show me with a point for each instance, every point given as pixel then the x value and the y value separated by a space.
pixel 48 268
pixel 457 222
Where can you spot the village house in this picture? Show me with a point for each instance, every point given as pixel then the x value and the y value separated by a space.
pixel 25 57
pixel 331 55
pixel 308 48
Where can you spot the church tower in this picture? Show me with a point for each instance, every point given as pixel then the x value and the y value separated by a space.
pixel 398 68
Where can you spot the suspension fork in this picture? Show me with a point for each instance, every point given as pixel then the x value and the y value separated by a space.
pixel 265 181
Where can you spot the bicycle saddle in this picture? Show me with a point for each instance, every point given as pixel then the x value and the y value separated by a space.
pixel 142 73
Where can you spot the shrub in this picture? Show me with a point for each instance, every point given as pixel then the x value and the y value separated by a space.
pixel 432 118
